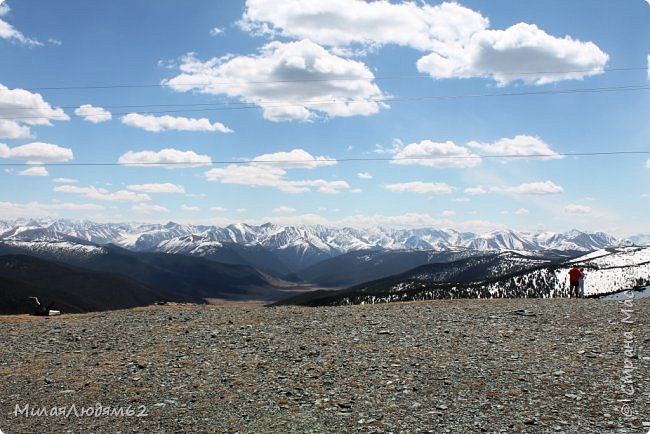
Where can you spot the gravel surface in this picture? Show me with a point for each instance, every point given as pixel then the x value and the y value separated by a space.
pixel 445 366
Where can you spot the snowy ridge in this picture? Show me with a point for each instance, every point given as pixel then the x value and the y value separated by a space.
pixel 606 271
pixel 612 258
pixel 57 249
pixel 300 240
pixel 611 270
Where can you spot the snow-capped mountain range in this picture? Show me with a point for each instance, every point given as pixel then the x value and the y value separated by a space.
pixel 261 261
pixel 309 243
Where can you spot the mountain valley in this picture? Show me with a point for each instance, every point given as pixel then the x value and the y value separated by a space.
pixel 195 263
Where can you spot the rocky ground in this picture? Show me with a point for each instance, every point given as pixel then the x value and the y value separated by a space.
pixel 448 366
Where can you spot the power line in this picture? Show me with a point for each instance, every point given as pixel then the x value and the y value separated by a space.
pixel 228 106
pixel 324 79
pixel 341 160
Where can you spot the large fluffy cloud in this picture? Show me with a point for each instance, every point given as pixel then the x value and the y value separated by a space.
pixel 345 22
pixel 20 109
pixel 36 152
pixel 521 52
pixel 457 40
pixel 432 154
pixel 270 170
pixel 169 157
pixel 294 80
pixel 156 124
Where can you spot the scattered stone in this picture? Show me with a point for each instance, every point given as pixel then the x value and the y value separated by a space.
pixel 298 369
pixel 525 312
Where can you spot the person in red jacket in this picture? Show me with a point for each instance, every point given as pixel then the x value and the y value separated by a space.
pixel 574 281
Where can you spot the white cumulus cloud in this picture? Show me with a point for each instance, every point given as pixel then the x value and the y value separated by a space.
pixel 7 31
pixel 270 170
pixel 536 188
pixel 169 157
pixel 438 155
pixel 103 194
pixel 165 187
pixel 65 180
pixel 93 114
pixel 190 208
pixel 364 175
pixel 275 177
pixel 13 130
pixel 456 41
pixel 157 124
pixel 34 171
pixel 24 109
pixel 343 22
pixel 421 187
pixel 288 81
pixel 36 152
pixel 521 146
pixel 475 191
pixel 521 52
pixel 294 159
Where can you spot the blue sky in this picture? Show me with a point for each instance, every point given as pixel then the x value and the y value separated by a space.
pixel 466 115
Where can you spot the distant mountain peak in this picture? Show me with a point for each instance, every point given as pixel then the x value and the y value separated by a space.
pixel 303 244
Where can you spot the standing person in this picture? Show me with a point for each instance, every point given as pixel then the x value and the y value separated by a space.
pixel 574 281
pixel 582 283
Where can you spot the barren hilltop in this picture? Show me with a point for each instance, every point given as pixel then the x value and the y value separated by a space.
pixel 444 366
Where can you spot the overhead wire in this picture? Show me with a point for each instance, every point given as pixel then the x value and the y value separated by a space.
pixel 338 160
pixel 227 106
pixel 239 105
pixel 324 79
